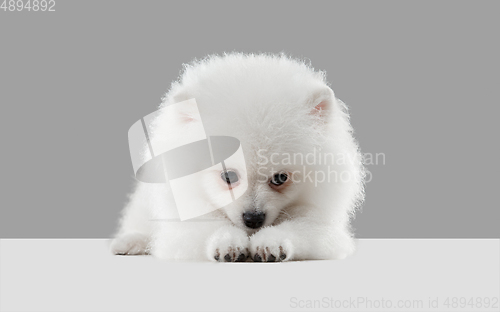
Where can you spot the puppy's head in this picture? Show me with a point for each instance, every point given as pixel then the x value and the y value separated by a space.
pixel 278 109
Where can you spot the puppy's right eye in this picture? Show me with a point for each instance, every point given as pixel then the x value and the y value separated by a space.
pixel 230 177
pixel 279 178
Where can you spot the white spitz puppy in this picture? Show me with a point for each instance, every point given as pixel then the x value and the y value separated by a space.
pixel 304 169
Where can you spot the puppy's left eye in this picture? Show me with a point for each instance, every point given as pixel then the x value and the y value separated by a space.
pixel 230 177
pixel 279 178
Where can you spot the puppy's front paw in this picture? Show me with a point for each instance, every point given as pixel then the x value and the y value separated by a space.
pixel 271 245
pixel 228 244
pixel 130 244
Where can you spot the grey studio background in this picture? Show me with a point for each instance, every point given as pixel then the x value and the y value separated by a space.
pixel 420 78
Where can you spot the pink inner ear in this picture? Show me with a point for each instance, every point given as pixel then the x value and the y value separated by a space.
pixel 186 118
pixel 321 107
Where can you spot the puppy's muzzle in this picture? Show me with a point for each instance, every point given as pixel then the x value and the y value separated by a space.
pixel 254 219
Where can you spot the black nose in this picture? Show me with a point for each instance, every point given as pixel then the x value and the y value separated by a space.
pixel 254 220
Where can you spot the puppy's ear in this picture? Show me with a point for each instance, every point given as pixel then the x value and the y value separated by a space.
pixel 321 101
pixel 187 112
pixel 185 109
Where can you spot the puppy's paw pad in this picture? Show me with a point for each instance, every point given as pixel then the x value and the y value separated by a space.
pixel 266 254
pixel 271 245
pixel 228 244
pixel 130 244
pixel 237 254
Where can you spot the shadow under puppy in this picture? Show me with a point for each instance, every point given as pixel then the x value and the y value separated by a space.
pixel 304 174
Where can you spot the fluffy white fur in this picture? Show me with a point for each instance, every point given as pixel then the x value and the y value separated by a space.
pixel 274 105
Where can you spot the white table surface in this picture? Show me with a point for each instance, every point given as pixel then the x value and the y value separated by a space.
pixel 383 275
